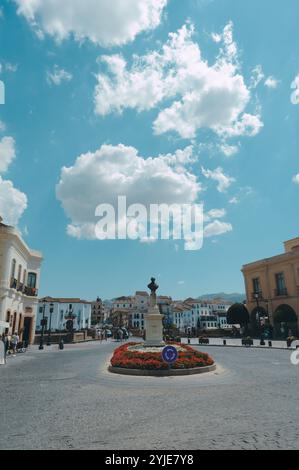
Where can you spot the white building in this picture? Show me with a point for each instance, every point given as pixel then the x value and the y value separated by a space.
pixel 107 308
pixel 192 314
pixel 19 284
pixel 63 314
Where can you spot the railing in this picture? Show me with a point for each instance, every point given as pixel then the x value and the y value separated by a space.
pixel 281 292
pixel 30 291
pixel 13 283
pixel 20 287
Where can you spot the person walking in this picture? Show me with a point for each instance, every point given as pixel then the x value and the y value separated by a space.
pixel 14 342
pixel 2 351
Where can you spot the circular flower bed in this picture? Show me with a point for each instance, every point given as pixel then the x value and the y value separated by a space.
pixel 126 357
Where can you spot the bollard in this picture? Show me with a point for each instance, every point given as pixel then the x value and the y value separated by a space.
pixel 61 344
pixel 270 344
pixel 224 342
pixel 262 342
pixel 189 341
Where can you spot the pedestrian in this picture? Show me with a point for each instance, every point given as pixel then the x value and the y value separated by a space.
pixel 14 343
pixel 6 344
pixel 2 351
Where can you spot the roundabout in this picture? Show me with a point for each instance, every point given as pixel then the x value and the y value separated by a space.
pixel 156 358
pixel 161 361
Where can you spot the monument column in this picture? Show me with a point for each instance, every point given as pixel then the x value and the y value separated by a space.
pixel 153 319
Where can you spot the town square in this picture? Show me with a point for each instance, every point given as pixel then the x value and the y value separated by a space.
pixel 149 237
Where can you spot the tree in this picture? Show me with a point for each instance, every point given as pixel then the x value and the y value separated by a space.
pixel 238 315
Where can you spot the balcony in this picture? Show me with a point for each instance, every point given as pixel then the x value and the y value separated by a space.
pixel 20 287
pixel 282 292
pixel 30 291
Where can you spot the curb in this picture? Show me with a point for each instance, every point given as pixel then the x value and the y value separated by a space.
pixel 162 373
pixel 240 346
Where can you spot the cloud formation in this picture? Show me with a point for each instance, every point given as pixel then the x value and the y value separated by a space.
pixel 201 95
pixel 7 152
pixel 223 181
pixel 58 76
pixel 217 228
pixel 12 201
pixel 295 94
pixel 112 171
pixel 104 22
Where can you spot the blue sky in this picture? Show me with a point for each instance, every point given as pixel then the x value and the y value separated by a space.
pixel 78 87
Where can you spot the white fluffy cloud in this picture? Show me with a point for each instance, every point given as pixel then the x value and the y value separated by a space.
pixel 203 96
pixel 271 82
pixel 12 202
pixel 257 76
pixel 7 153
pixel 295 94
pixel 112 171
pixel 223 181
pixel 105 22
pixel 228 150
pixel 58 76
pixel 217 228
pixel 296 179
pixel 214 214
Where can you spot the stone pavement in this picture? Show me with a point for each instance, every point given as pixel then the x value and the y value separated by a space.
pixel 67 400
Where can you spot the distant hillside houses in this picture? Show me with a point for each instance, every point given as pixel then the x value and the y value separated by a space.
pixel 185 315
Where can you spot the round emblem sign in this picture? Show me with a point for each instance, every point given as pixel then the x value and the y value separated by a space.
pixel 170 354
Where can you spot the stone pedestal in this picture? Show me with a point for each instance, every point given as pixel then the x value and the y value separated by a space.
pixel 154 327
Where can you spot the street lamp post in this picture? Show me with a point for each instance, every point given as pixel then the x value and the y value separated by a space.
pixel 43 322
pixel 256 296
pixel 50 324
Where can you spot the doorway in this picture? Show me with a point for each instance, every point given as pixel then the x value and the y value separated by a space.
pixel 27 329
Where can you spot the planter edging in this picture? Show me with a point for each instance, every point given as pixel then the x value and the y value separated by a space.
pixel 161 373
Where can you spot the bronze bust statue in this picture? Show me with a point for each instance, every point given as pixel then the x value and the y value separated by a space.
pixel 153 287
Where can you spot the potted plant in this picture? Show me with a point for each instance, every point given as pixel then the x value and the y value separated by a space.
pixel 248 341
pixel 290 340
pixel 203 340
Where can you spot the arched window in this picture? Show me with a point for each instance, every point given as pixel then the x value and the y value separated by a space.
pixel 13 268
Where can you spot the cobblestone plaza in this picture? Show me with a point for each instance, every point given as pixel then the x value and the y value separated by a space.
pixel 68 400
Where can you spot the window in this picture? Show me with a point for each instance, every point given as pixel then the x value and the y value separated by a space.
pixel 280 284
pixel 256 285
pixel 19 273
pixel 31 280
pixel 13 268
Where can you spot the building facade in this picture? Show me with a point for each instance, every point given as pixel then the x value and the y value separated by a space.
pixel 194 314
pixel 272 289
pixel 97 313
pixel 19 284
pixel 62 314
